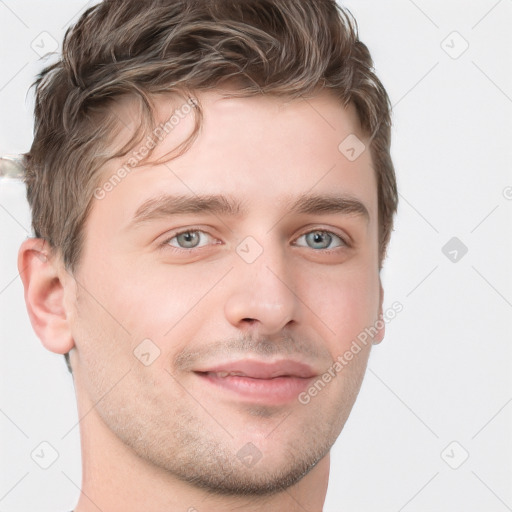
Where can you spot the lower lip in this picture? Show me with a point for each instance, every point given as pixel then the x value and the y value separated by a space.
pixel 276 391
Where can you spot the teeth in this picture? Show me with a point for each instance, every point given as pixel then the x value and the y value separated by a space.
pixel 225 374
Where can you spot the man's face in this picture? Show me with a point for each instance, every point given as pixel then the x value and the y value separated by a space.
pixel 198 327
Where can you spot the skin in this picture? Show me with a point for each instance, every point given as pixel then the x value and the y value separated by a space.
pixel 158 437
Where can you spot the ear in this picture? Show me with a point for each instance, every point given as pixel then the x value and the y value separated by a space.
pixel 42 275
pixel 380 324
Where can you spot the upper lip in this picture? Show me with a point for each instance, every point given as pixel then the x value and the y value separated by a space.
pixel 261 369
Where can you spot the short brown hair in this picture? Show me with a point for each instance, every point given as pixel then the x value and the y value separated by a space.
pixel 133 48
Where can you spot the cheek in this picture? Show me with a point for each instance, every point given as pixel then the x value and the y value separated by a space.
pixel 343 303
pixel 158 301
pixel 101 359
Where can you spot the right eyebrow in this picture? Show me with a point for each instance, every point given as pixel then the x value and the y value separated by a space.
pixel 171 205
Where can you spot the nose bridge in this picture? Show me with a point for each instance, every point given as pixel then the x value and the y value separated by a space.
pixel 261 293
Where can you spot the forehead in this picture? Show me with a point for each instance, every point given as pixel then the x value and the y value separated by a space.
pixel 258 148
pixel 241 117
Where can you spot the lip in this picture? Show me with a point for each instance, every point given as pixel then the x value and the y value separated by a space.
pixel 272 383
pixel 263 370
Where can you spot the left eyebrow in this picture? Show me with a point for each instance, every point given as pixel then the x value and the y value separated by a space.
pixel 221 205
pixel 330 204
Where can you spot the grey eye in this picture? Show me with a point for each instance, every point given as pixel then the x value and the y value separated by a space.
pixel 188 240
pixel 320 240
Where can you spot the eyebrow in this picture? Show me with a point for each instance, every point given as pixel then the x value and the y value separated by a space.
pixel 220 205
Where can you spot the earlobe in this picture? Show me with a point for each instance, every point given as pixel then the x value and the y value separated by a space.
pixel 380 324
pixel 44 295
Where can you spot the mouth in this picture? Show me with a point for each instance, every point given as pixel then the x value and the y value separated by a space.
pixel 274 383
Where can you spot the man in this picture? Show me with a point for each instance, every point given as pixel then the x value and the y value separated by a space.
pixel 212 197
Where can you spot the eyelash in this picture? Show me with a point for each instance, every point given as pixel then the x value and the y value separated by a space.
pixel 165 244
pixel 342 242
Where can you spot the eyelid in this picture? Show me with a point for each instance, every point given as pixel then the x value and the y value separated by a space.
pixel 172 235
pixel 332 230
pixel 342 238
pixel 345 239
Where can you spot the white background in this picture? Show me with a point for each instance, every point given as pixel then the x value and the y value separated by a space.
pixel 443 372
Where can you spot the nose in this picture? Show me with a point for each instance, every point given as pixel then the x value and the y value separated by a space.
pixel 261 298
